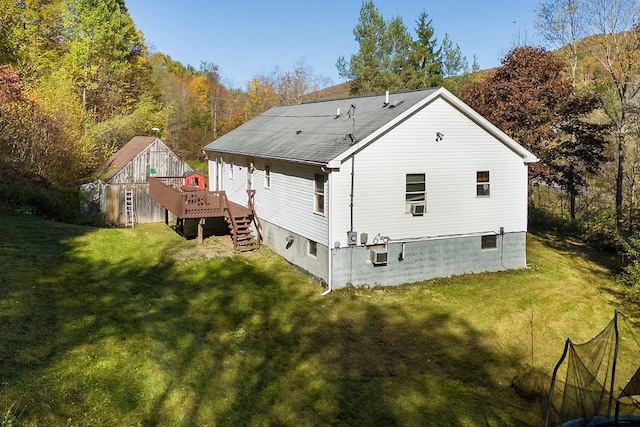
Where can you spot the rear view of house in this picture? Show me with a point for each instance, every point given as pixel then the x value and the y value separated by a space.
pixel 380 190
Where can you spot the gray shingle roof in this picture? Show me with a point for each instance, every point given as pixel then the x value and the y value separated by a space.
pixel 313 132
pixel 124 155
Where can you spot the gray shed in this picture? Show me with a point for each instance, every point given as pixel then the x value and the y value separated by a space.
pixel 122 190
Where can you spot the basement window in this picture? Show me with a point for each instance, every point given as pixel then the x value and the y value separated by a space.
pixel 490 241
pixel 313 248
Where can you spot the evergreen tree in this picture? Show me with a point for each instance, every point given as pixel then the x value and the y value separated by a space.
pixel 366 68
pixel 388 58
pixel 454 62
pixel 397 52
pixel 475 67
pixel 425 63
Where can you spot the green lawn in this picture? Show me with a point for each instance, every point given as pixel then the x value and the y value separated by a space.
pixel 123 327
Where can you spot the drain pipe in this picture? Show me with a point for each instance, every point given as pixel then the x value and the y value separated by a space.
pixel 330 232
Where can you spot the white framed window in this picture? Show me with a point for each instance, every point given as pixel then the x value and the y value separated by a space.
pixel 267 176
pixel 416 193
pixel 489 241
pixel 313 248
pixel 230 169
pixel 483 184
pixel 318 190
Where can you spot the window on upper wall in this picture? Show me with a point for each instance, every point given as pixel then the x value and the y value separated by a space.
pixel 318 193
pixel 416 194
pixel 483 185
pixel 267 176
pixel 230 170
pixel 490 241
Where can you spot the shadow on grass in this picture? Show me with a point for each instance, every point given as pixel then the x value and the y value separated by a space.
pixel 233 341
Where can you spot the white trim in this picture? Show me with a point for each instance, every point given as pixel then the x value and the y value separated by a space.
pixel 443 93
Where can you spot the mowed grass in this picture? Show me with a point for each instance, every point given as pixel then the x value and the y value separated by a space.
pixel 122 327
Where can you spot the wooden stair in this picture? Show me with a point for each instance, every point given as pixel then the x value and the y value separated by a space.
pixel 241 234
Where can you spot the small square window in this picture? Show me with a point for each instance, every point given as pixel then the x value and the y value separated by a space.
pixel 490 241
pixel 267 176
pixel 313 248
pixel 483 185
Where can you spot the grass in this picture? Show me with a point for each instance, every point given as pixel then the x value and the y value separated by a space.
pixel 137 326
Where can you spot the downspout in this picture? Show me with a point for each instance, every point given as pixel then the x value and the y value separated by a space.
pixel 353 160
pixel 329 248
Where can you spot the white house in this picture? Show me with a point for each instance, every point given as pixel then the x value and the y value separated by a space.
pixel 380 190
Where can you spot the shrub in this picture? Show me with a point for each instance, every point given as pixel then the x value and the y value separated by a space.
pixel 58 204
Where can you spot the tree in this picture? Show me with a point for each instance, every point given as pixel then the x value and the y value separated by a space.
pixel 33 146
pixel 397 46
pixel 105 55
pixel 579 149
pixel 616 51
pixel 532 99
pixel 558 22
pixel 425 60
pixel 475 67
pixel 389 58
pixel 453 61
pixel 366 68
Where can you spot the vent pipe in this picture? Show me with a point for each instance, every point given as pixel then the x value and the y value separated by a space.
pixel 338 112
pixel 386 98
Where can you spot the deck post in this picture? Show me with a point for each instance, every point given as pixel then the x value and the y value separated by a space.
pixel 201 222
pixel 166 216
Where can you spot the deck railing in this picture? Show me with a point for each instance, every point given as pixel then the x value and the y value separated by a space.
pixel 192 204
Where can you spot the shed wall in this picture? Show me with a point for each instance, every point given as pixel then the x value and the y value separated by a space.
pixel 146 209
pixel 155 160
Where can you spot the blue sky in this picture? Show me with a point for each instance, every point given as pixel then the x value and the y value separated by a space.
pixel 245 38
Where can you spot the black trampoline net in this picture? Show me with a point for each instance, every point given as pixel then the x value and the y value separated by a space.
pixel 589 381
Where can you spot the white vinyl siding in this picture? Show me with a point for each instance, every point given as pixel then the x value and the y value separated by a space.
pixel 290 202
pixel 450 167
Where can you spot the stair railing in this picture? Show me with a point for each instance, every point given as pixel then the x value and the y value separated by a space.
pixel 252 207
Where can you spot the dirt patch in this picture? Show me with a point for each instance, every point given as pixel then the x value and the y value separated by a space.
pixel 212 247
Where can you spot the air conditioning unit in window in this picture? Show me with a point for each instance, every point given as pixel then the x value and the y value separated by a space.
pixel 379 256
pixel 418 209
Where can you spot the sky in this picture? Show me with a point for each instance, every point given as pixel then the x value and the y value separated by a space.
pixel 245 38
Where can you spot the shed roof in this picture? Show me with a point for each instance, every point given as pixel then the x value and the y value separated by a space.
pixel 319 132
pixel 124 155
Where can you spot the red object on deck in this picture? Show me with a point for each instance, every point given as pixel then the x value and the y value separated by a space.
pixel 192 181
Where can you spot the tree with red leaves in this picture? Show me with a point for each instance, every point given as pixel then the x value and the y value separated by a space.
pixel 532 99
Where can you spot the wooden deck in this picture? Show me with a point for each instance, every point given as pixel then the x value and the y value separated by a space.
pixel 187 203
